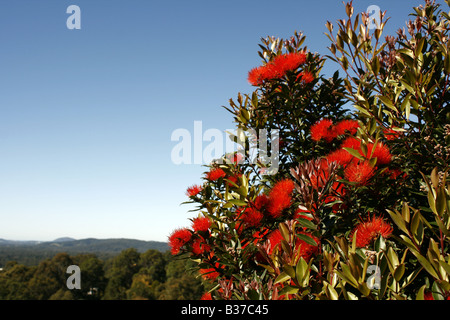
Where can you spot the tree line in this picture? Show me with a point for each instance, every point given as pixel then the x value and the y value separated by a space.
pixel 130 275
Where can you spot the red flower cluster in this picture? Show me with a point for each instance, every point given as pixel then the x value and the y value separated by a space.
pixel 326 130
pixel 193 190
pixel 271 206
pixel 379 151
pixel 184 237
pixel 369 230
pixel 277 68
pixel 305 77
pixel 323 129
pixel 178 239
pixel 359 172
pixel 211 273
pixel 199 246
pixel 280 197
pixel 248 217
pixel 215 174
pixel 201 224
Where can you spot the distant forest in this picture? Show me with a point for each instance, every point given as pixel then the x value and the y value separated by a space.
pixel 31 253
pixel 126 275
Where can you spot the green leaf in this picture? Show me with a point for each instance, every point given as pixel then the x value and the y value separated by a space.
pixel 447 63
pixel 307 239
pixel 331 292
pixel 347 275
pixel 288 290
pixel 375 65
pixel 282 277
pixel 302 272
pixel 398 220
pixel 388 103
pixel 289 270
pixel 441 201
pixel 425 264
pixel 445 266
pixel 237 202
pixel 253 294
pixel 354 153
pixel 306 223
pixel 421 293
pixel 420 45
pixel 392 259
pixel 405 212
pixel 399 272
pixel 284 231
pixel 364 289
pixel 417 227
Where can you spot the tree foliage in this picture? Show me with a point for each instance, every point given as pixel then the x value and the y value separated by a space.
pixel 358 206
pixel 130 275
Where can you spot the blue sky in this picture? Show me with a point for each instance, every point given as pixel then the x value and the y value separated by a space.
pixel 86 116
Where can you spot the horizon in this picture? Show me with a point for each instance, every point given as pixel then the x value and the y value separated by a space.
pixel 75 239
pixel 88 114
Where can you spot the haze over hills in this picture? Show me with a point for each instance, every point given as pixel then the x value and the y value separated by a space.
pixel 28 252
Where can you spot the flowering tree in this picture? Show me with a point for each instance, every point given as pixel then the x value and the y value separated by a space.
pixel 359 206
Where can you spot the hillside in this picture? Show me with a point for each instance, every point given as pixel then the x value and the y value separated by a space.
pixel 32 252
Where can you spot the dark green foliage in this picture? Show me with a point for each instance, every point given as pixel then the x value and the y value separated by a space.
pixel 150 275
pixel 31 252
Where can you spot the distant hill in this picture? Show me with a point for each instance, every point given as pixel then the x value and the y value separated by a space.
pixel 64 239
pixel 32 252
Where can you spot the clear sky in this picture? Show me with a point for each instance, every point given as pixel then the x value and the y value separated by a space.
pixel 86 116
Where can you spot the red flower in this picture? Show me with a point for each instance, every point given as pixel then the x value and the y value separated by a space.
pixel 341 157
pixel 347 126
pixel 252 217
pixel 201 224
pixel 305 77
pixel 381 152
pixel 351 142
pixel 258 75
pixel 261 201
pixel 369 230
pixel 359 172
pixel 206 296
pixel 287 62
pixel 178 239
pixel 274 239
pixel 323 129
pixel 199 246
pixel 277 68
pixel 193 190
pixel 280 197
pixel 215 174
pixel 211 273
